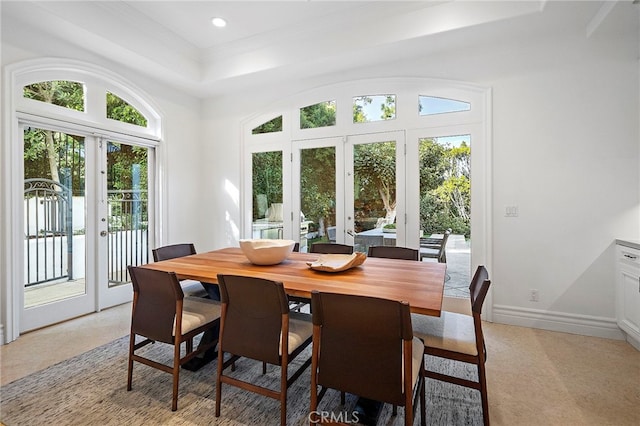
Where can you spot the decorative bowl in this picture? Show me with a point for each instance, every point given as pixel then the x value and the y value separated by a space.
pixel 266 252
pixel 337 262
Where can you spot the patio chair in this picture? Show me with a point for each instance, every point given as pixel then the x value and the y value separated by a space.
pixel 431 248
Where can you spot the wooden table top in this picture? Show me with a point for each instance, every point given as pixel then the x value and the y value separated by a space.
pixel 419 283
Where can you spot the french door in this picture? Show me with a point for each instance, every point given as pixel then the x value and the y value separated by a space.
pixel 343 186
pixel 374 189
pixel 86 218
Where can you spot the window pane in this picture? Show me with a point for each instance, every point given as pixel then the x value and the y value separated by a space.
pixel 118 109
pixel 270 126
pixel 317 196
pixel 429 105
pixel 374 108
pixel 322 114
pixel 67 94
pixel 267 194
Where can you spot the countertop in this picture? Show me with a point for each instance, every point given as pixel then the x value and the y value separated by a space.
pixel 629 243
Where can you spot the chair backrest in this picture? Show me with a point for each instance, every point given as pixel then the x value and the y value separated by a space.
pixel 252 316
pixel 478 288
pixel 394 252
pixel 173 251
pixel 443 246
pixel 331 248
pixel 361 344
pixel 155 303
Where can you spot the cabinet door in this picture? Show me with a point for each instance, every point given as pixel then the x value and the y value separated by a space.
pixel 630 303
pixel 628 291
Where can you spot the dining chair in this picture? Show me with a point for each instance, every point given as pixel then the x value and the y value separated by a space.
pixel 255 317
pixel 431 248
pixel 459 337
pixel 331 248
pixel 180 250
pixel 161 313
pixel 384 362
pixel 393 252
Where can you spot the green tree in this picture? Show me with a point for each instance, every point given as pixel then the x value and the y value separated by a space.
pixel 67 94
pixel 118 109
pixel 375 170
pixel 322 114
pixel 267 179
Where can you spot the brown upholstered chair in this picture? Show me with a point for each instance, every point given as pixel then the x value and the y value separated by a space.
pixel 255 316
pixel 180 250
pixel 394 252
pixel 459 337
pixel 332 248
pixel 431 248
pixel 173 251
pixel 161 313
pixel 384 362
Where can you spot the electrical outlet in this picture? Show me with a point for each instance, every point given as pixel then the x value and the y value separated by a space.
pixel 534 296
pixel 511 211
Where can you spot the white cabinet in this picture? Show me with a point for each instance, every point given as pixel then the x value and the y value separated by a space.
pixel 628 292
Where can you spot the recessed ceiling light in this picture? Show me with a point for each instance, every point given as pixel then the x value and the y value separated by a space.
pixel 218 22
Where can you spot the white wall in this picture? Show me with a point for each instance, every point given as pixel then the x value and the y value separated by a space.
pixel 565 151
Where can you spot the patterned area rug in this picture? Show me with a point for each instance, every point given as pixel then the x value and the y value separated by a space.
pixel 90 389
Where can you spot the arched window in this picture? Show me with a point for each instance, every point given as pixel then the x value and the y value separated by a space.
pixel 371 162
pixel 79 151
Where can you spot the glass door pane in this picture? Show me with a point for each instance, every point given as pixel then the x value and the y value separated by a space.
pixel 374 190
pixel 127 210
pixel 317 196
pixel 54 227
pixel 267 217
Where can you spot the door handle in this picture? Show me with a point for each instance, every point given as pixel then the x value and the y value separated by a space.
pixel 350 232
pixel 103 233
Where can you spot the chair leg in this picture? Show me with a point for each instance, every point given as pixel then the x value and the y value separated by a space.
pixel 219 379
pixel 423 399
pixel 176 376
pixel 482 378
pixel 132 342
pixel 283 393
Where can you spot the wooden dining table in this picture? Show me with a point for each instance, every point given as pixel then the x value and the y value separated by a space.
pixel 421 284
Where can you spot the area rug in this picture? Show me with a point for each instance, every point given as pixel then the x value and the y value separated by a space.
pixel 90 389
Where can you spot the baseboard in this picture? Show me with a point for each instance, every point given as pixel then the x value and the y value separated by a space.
pixel 585 325
pixel 632 341
pixel 1 334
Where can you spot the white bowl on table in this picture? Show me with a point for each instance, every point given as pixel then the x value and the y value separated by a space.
pixel 266 252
